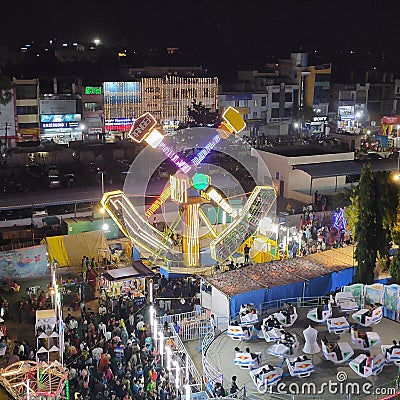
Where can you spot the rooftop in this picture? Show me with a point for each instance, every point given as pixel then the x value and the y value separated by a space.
pixel 301 151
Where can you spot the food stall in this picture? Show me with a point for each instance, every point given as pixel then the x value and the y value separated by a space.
pixel 128 281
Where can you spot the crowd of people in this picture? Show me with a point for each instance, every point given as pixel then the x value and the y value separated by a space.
pixel 110 351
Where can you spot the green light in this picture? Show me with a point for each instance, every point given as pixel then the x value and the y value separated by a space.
pixel 200 181
pixel 93 90
pixel 67 389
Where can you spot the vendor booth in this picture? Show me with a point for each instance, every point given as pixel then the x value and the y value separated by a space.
pixel 128 281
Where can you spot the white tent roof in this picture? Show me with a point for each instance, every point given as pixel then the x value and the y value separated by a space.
pixel 42 350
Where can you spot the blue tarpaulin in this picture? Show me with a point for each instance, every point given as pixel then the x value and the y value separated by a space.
pixel 320 286
pixel 256 297
pixel 342 278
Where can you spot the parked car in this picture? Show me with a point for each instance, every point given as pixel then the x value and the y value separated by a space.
pixel 9 286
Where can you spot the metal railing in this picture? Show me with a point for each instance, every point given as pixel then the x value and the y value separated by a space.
pixel 210 374
pixel 189 322
pixel 179 347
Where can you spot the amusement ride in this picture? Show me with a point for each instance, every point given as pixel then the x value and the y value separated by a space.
pixel 194 201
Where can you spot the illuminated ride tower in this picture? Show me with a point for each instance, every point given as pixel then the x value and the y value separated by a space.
pixel 189 193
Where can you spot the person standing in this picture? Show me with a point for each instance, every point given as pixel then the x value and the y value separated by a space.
pixel 212 322
pixel 246 251
pixel 20 310
pixel 234 387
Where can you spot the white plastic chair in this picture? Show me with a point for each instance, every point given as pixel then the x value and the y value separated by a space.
pixel 282 349
pixel 391 355
pixel 283 320
pixel 372 337
pixel 245 360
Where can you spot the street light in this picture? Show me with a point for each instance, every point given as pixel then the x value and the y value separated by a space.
pixel 397 176
pixel 161 334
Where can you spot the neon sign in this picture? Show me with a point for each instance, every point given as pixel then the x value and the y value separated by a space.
pixel 214 195
pixel 158 202
pixel 142 127
pixel 175 158
pixel 206 150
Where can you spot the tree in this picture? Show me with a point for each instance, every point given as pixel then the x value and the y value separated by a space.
pixel 372 218
pixel 394 268
pixel 366 228
pixel 386 194
pixel 351 211
pixel 200 115
pixel 5 90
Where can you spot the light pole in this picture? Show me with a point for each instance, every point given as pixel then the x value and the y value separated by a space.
pixel 397 176
pixel 161 347
pixel 102 210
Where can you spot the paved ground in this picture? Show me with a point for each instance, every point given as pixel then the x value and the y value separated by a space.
pixel 221 355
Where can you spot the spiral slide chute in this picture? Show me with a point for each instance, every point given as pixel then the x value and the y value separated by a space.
pixel 133 225
pixel 245 225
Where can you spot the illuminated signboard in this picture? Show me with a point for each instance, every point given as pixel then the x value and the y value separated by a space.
pixel 175 158
pixel 206 150
pixel 60 118
pixel 118 124
pixel 234 119
pixel 93 90
pixel 59 125
pixel 200 181
pixel 161 199
pixel 142 127
pixel 214 195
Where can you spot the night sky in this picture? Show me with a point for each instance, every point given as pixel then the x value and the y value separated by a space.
pixel 220 33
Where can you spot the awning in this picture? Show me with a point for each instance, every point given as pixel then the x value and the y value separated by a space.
pixel 341 168
pixel 51 220
pixel 138 270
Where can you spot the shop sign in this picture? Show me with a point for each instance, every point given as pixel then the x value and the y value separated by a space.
pixel 139 301
pixel 320 119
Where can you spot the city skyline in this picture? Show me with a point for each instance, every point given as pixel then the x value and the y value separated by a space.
pixel 220 35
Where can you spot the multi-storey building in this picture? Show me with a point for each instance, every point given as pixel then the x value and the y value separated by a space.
pixel 26 97
pixel 167 97
pixel 60 118
pixel 92 112
pixel 253 107
pixel 349 104
pixel 8 124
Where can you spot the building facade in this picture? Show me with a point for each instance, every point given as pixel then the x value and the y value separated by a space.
pixel 167 98
pixel 26 98
pixel 60 118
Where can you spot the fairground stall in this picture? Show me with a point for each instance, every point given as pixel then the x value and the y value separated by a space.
pixel 128 282
pixel 224 293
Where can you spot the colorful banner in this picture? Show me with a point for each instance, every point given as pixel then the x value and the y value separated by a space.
pixel 357 290
pixel 23 263
pixel 391 295
pixel 374 294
